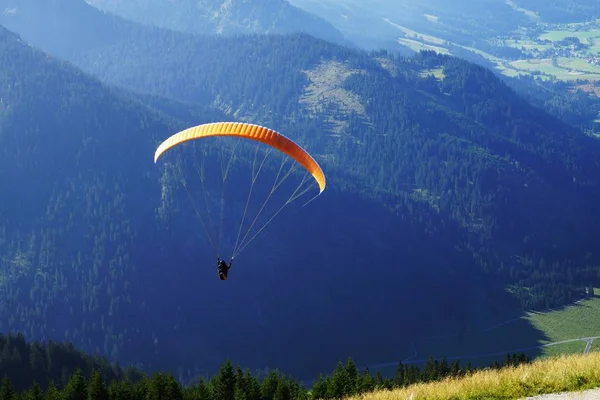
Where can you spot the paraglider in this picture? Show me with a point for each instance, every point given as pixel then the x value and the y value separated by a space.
pixel 223 268
pixel 262 136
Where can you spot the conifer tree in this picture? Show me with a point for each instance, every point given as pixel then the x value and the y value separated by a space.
pixel 444 370
pixel 269 384
pixel 455 368
pixel 202 390
pixel 96 388
pixel 283 391
pixel 352 376
pixel 7 392
pixel 338 383
pixel 172 390
pixel 52 392
pixel 367 384
pixel 399 375
pixel 34 393
pixel 319 388
pixel 224 383
pixel 120 390
pixel 76 387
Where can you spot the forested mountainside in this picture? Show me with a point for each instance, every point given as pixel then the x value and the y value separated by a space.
pixel 444 187
pixel 90 254
pixel 227 17
pixel 72 29
pixel 563 10
pixel 574 107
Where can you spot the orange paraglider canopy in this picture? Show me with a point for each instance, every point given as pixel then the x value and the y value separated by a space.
pixel 249 131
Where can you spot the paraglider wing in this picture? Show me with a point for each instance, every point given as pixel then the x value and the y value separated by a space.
pixel 252 132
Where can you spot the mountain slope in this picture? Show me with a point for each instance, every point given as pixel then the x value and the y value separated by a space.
pixel 563 11
pixel 481 190
pixel 467 22
pixel 86 255
pixel 228 17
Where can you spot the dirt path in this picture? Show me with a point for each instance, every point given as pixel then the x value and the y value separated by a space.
pixel 592 394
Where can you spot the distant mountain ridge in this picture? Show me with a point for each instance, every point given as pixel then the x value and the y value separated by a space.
pixel 224 17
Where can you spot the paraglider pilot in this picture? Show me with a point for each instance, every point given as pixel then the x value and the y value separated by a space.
pixel 223 268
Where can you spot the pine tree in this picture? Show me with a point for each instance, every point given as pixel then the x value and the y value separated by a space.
pixel 76 387
pixel 172 390
pixel 35 393
pixel 455 368
pixel 468 368
pixel 378 380
pixel 339 382
pixel 224 383
pixel 399 376
pixel 155 387
pixel 352 376
pixel 367 384
pixel 430 370
pixel 7 392
pixel 96 387
pixel 202 391
pixel 444 370
pixel 319 388
pixel 252 385
pixel 52 392
pixel 283 391
pixel 120 390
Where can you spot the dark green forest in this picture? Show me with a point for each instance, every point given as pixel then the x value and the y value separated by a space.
pixel 442 194
pixel 59 371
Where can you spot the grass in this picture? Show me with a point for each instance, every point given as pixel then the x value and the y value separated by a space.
pixel 563 349
pixel 578 320
pixel 418 46
pixel 533 333
pixel 416 35
pixel 566 69
pixel 438 73
pixel 595 346
pixel 578 64
pixel 525 43
pixel 552 375
pixel 558 35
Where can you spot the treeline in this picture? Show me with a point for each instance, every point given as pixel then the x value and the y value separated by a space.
pixel 57 371
pixel 346 380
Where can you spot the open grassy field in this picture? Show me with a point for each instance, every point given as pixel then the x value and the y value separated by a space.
pixel 414 34
pixel 583 36
pixel 418 46
pixel 577 321
pixel 560 331
pixel 438 73
pixel 552 375
pixel 526 44
pixel 568 69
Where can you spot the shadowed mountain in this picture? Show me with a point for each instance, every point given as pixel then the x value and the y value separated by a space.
pixel 445 188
